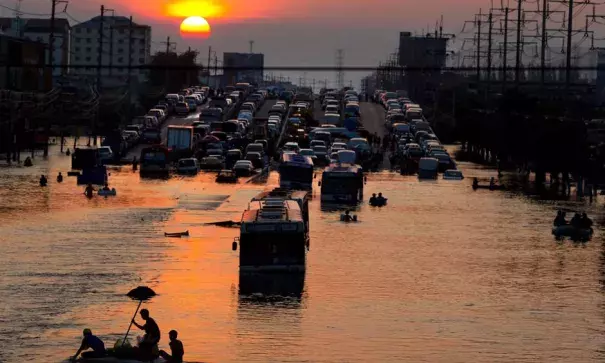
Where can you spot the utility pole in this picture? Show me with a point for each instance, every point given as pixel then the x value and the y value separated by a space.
pixel 543 43
pixel 168 44
pixel 505 50
pixel 129 80
pixel 100 48
pixel 489 52
pixel 479 47
pixel 111 47
pixel 209 55
pixel 569 35
pixel 520 26
pixel 51 48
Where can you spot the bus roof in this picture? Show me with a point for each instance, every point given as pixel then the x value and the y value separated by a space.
pixel 343 168
pixel 296 159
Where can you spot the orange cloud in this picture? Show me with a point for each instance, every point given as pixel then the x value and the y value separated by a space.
pixel 203 8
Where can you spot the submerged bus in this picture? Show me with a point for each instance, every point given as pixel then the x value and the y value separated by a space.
pixel 342 183
pixel 274 233
pixel 296 172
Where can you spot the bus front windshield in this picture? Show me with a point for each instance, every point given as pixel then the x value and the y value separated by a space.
pixel 296 173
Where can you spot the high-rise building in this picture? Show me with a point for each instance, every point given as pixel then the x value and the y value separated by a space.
pixel 243 67
pixel 39 30
pixel 117 44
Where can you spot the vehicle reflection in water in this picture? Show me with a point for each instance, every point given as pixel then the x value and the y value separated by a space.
pixel 271 288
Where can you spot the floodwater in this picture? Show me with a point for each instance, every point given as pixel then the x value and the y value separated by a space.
pixel 442 274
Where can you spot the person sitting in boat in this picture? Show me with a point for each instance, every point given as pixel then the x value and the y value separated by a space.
pixel 373 199
pixel 89 190
pixel 151 337
pixel 106 187
pixel 475 182
pixel 43 181
pixel 576 221
pixel 60 178
pixel 585 222
pixel 381 200
pixel 560 219
pixel 90 342
pixel 176 348
pixel 347 217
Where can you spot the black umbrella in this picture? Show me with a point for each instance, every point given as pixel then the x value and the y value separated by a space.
pixel 141 293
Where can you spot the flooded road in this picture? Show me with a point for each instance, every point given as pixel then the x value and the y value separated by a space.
pixel 442 274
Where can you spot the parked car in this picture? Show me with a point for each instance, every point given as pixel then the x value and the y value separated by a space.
pixel 226 176
pixel 211 163
pixel 188 166
pixel 181 108
pixel 243 167
pixel 105 154
pixel 256 158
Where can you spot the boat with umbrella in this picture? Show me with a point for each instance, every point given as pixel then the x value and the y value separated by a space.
pixel 123 352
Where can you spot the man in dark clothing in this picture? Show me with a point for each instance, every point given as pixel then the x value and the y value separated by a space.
pixel 90 342
pixel 176 348
pixel 151 337
pixel 560 219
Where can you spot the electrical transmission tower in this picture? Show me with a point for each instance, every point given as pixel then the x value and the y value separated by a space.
pixel 340 75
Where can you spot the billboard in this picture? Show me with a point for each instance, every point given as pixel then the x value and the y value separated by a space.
pixel 243 67
pixel 420 52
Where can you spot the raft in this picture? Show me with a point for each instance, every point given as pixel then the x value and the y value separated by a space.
pixel 107 193
pixel 177 234
pixel 572 232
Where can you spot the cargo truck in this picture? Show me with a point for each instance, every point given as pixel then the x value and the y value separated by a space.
pixel 179 140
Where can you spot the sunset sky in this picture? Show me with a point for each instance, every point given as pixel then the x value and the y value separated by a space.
pixel 290 33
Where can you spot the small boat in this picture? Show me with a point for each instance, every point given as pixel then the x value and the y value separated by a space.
pixel 567 230
pixel 177 234
pixel 107 193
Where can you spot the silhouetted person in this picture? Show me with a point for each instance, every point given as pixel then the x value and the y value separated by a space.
pixel 576 221
pixel 43 181
pixel 151 337
pixel 89 190
pixel 380 199
pixel 176 348
pixel 373 199
pixel 90 342
pixel 347 216
pixel 560 219
pixel 585 222
pixel 135 163
pixel 60 178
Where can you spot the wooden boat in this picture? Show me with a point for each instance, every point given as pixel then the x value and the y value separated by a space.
pixel 177 234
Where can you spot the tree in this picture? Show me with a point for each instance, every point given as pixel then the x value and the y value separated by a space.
pixel 173 71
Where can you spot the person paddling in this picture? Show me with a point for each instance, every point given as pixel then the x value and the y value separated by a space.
pixel 151 337
pixel 90 342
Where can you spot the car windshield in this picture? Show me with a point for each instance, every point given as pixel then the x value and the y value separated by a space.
pixel 307 152
pixel 320 148
pixel 187 162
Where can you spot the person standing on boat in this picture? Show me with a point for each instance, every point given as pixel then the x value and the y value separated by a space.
pixel 90 342
pixel 176 348
pixel 152 334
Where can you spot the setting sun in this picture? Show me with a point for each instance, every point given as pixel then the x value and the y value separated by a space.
pixel 195 26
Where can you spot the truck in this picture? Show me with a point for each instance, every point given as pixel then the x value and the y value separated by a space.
pixel 179 140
